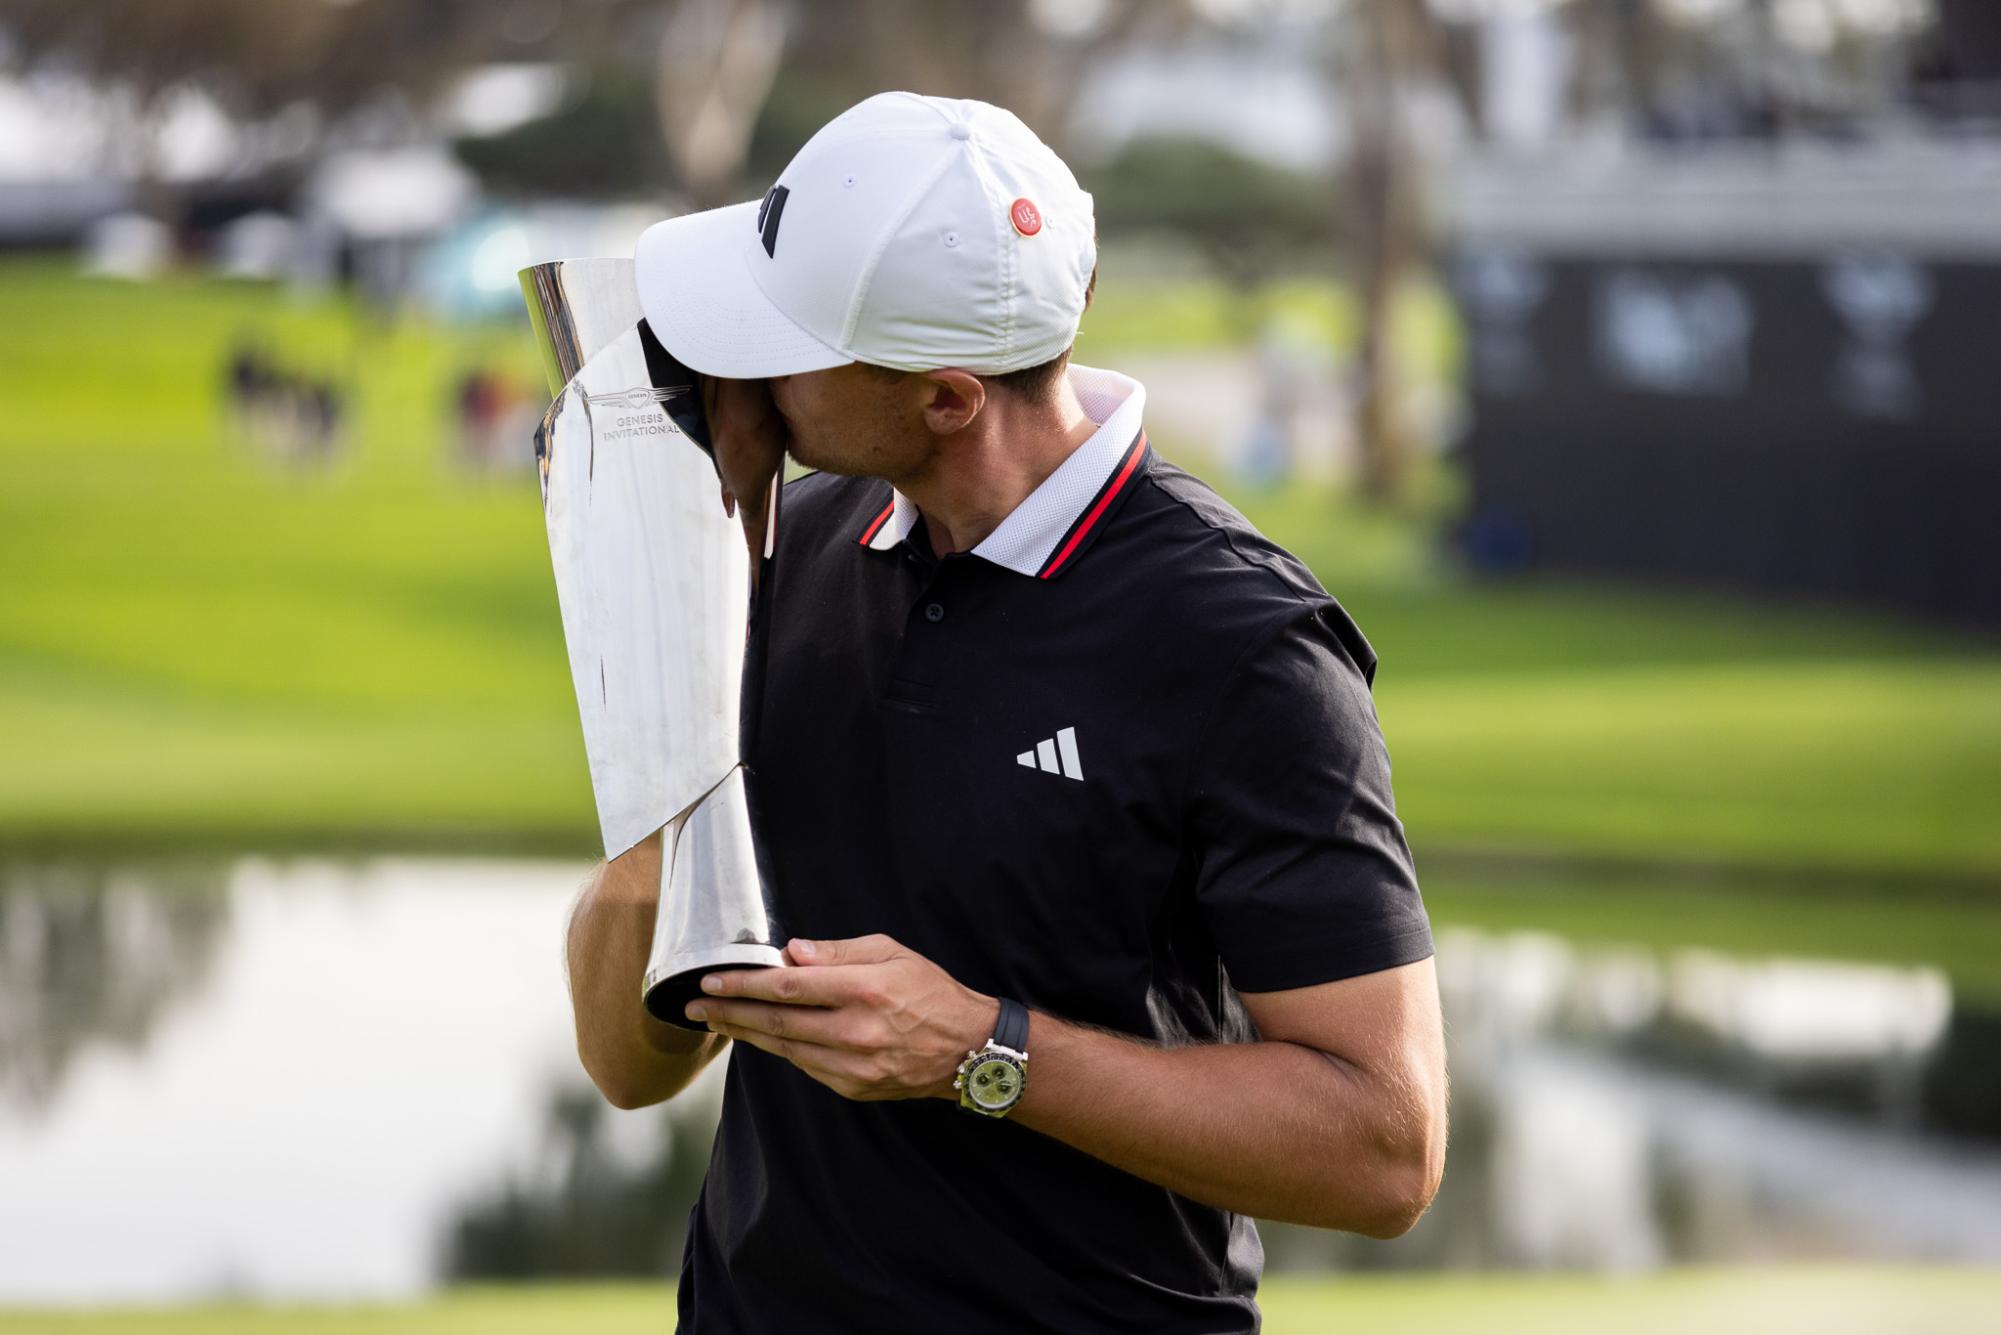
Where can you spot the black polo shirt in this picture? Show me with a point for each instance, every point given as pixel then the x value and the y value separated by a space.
pixel 1119 762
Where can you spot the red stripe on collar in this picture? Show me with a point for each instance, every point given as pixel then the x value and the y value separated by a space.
pixel 1097 511
pixel 868 534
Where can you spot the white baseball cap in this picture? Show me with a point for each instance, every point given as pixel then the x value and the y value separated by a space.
pixel 911 232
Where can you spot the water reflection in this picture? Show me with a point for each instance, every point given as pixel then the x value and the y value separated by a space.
pixel 372 1043
pixel 1869 1037
pixel 1616 1109
pixel 312 1079
pixel 607 1194
pixel 95 955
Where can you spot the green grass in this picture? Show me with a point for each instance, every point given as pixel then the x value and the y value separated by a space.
pixel 1197 315
pixel 1589 718
pixel 199 650
pixel 1950 927
pixel 1846 1300
pixel 196 648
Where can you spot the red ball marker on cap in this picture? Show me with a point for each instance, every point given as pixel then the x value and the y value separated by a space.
pixel 1027 219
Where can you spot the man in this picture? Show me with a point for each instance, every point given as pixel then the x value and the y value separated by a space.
pixel 1078 810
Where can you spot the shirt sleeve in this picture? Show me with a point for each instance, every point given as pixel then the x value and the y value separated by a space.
pixel 1302 873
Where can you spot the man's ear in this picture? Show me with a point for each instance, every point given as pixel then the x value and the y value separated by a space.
pixel 954 399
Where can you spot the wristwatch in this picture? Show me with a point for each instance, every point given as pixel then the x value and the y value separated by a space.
pixel 991 1079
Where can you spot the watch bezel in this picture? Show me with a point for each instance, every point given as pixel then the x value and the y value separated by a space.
pixel 993 1052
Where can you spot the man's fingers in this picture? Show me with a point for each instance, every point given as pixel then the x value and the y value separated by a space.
pixel 846 1073
pixel 876 949
pixel 783 1048
pixel 801 1024
pixel 749 437
pixel 790 987
pixel 836 985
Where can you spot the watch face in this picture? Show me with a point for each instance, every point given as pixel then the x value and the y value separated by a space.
pixel 994 1083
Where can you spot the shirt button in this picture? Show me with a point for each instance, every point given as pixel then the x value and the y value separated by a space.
pixel 934 611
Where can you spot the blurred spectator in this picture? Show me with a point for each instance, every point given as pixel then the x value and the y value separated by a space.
pixel 496 422
pixel 286 416
pixel 246 383
pixel 1270 453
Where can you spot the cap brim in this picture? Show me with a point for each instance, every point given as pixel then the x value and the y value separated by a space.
pixel 697 292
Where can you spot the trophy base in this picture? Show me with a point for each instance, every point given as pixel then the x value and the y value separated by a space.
pixel 677 980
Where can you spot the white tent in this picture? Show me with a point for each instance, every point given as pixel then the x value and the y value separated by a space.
pixel 392 194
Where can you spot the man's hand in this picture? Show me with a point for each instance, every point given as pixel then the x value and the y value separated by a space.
pixel 750 438
pixel 866 1017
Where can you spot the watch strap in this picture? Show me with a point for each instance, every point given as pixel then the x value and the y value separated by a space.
pixel 1011 1030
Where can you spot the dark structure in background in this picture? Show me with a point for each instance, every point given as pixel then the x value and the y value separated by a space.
pixel 1970 30
pixel 1779 370
pixel 1955 79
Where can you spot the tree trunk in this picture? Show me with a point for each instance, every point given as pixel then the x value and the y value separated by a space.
pixel 1383 49
pixel 718 61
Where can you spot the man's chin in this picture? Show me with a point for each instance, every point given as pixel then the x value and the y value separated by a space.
pixel 809 458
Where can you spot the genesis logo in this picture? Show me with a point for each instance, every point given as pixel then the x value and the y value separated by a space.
pixel 768 214
pixel 636 398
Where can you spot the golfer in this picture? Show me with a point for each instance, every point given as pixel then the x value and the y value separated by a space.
pixel 1104 934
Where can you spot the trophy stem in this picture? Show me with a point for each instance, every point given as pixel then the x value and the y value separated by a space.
pixel 712 912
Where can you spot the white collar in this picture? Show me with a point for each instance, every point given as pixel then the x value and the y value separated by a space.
pixel 1026 541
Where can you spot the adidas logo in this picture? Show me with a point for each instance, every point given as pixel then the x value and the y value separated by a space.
pixel 1055 755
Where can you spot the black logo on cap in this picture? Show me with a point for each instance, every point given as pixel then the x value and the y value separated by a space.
pixel 768 214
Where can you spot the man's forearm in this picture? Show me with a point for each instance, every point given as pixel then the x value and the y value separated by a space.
pixel 633 1058
pixel 1276 1130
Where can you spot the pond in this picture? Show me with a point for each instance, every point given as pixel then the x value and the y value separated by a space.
pixel 354 1079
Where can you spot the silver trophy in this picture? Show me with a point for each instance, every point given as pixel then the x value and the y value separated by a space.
pixel 656 585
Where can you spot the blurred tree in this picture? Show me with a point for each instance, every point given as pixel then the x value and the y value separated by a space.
pixel 717 62
pixel 1249 218
pixel 255 57
pixel 96 955
pixel 1743 69
pixel 712 64
pixel 799 104
pixel 717 66
pixel 602 1210
pixel 602 143
pixel 1026 55
pixel 1383 51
